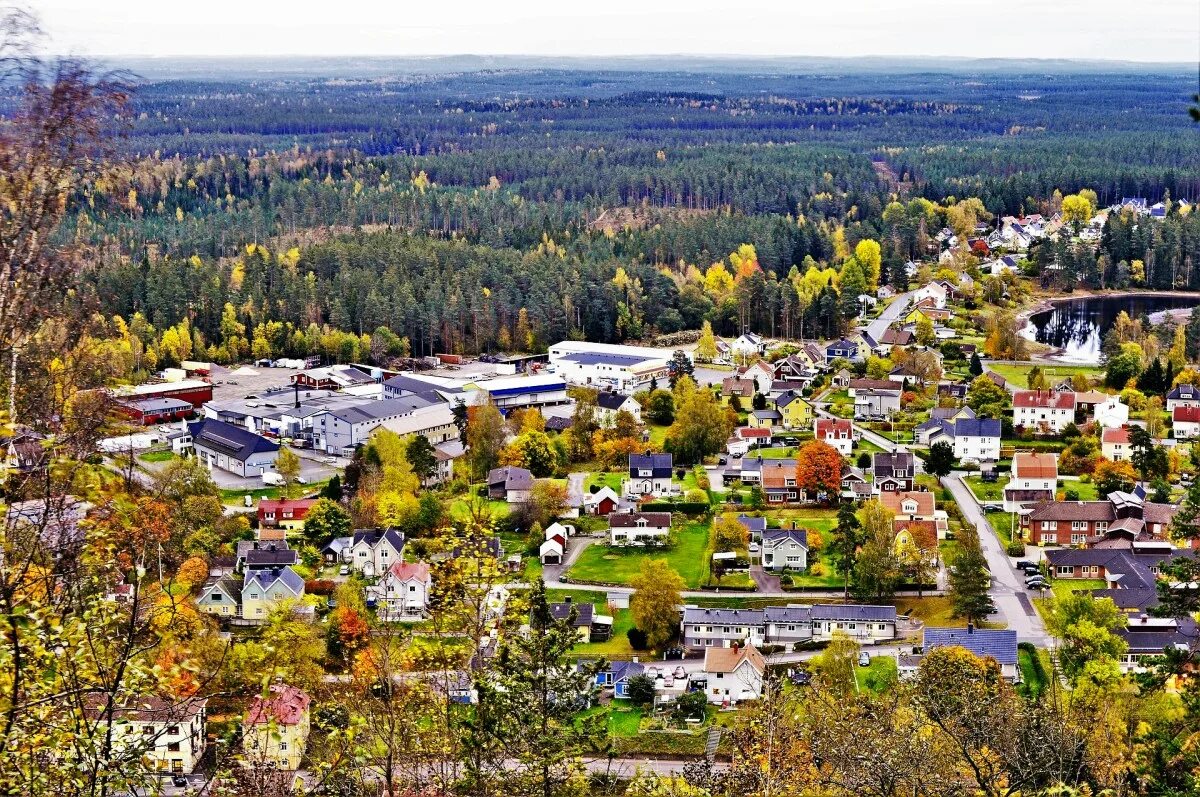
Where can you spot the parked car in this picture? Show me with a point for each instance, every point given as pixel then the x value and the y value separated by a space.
pixel 179 781
pixel 1037 584
pixel 864 659
pixel 1024 565
pixel 344 570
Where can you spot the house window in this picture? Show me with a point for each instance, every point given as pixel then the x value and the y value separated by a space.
pixel 173 747
pixel 1101 527
pixel 1066 570
pixel 1078 539
pixel 283 746
pixel 1049 525
pixel 253 596
pixel 172 730
pixel 1079 525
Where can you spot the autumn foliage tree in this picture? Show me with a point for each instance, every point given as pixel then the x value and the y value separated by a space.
pixel 819 469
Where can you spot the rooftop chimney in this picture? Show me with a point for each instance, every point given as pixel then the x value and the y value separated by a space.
pixel 970 628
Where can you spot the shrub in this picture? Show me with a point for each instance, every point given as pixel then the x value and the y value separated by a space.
pixel 1071 494
pixel 641 690
pixel 1015 548
pixel 319 586
pixel 637 638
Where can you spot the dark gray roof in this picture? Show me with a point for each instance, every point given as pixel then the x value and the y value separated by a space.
pixel 887 464
pixel 583 614
pixel 660 464
pixel 373 536
pixel 788 614
pixel 623 670
pixel 715 616
pixel 977 427
pixel 234 441
pixel 753 523
pixel 610 401
pixel 267 578
pixel 1000 645
pixel 826 611
pixel 511 478
pixel 772 536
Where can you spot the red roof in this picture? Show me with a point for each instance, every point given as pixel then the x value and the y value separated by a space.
pixel 747 432
pixel 1035 465
pixel 1119 435
pixel 285 706
pixel 833 426
pixel 1186 414
pixel 1044 399
pixel 298 506
pixel 406 571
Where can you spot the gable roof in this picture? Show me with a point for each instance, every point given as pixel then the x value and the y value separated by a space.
pixel 512 478
pixel 285 705
pixel 1035 465
pixel 583 612
pixel 773 537
pixel 885 464
pixel 611 401
pixel 895 501
pixel 1117 436
pixel 373 537
pixel 976 427
pixel 409 571
pixel 1183 392
pixel 267 578
pixel 753 523
pixel 659 464
pixel 729 660
pixel 737 386
pixel 826 426
pixel 624 520
pixel 853 611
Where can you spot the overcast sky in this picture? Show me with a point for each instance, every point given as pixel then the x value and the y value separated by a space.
pixel 1135 30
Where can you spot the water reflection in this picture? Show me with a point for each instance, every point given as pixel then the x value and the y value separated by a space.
pixel 1078 327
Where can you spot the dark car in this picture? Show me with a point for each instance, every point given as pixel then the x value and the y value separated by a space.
pixel 179 780
pixel 1023 565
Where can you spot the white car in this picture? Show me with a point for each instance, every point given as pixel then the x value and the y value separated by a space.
pixel 344 570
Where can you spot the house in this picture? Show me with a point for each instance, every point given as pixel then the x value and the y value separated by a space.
pixel 856 385
pixel 854 484
pixel 748 344
pixel 841 378
pixel 1147 637
pixel 778 480
pixel 1111 413
pixel 761 373
pixel 894 472
pixel 705 627
pixel 787 625
pixel 836 432
pixel 743 389
pixel 609 404
pixel 168 735
pixel 602 502
pixel 910 504
pixel 843 349
pixel 639 528
pixel 1182 396
pixel 620 672
pixel 1185 422
pixel 765 419
pixel 876 403
pixel 902 374
pixel 510 484
pixel 275 728
pixel 953 390
pixel 863 623
pixel 934 291
pixel 734 674
pixel 650 474
pixel 333 377
pixel 1034 479
pixel 893 337
pixel 373 551
pixel 941 419
pixel 221 596
pixel 1044 411
pixel 264 555
pixel 337 550
pixel 403 592
pixel 794 410
pixel 583 618
pixel 976 439
pixel 262 589
pixel 1121 520
pixel 755 526
pixel 784 549
pixel 284 513
pixel 1000 645
pixel 1114 444
pixel 151 411
pixel 232 448
pixel 996 379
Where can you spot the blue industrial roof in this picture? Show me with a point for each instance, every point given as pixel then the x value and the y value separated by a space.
pixel 1000 645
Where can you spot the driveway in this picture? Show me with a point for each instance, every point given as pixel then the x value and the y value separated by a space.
pixel 892 313
pixel 1008 590
pixel 764 581
pixel 575 489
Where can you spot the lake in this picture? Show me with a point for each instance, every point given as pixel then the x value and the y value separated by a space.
pixel 1077 327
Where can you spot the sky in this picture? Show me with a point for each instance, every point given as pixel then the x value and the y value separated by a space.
pixel 1128 30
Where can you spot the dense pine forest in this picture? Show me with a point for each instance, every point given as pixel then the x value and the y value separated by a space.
pixel 508 208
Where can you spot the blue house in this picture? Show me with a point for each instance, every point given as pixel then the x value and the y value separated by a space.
pixel 622 671
pixel 841 348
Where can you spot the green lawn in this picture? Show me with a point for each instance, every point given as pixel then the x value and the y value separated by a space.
pixel 460 507
pixel 228 496
pixel 157 456
pixel 776 453
pixel 604 479
pixel 1084 491
pixel 657 435
pixel 864 445
pixel 876 677
pixel 1062 588
pixel 1034 679
pixel 986 491
pixel 1019 374
pixel 688 557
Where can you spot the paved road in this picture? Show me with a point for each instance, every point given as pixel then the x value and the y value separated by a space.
pixel 1008 589
pixel 892 313
pixel 869 435
pixel 575 489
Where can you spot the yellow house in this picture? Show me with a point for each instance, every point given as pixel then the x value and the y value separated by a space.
pixel 262 589
pixel 275 730
pixel 796 412
pixel 764 419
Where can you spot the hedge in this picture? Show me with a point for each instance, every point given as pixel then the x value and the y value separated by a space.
pixel 686 507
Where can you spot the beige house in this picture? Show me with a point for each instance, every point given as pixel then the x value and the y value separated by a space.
pixel 169 736
pixel 275 729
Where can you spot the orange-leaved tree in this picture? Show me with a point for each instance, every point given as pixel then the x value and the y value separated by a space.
pixel 819 469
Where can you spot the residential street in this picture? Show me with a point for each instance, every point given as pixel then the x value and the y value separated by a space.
pixel 892 313
pixel 1008 589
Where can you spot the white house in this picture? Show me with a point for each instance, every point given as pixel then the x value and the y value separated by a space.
pixel 734 674
pixel 609 404
pixel 749 344
pixel 639 528
pixel 1111 413
pixel 784 549
pixel 977 439
pixel 403 592
pixel 837 432
pixel 551 551
pixel 933 290
pixel 623 373
pixel 1034 479
pixel 762 375
pixel 168 735
pixel 864 623
pixel 374 551
pixel 601 502
pixel 649 474
pixel 1114 444
pixel 1183 396
pixel 1044 411
pixel 1185 422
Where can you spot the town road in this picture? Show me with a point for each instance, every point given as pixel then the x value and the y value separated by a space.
pixel 1008 588
pixel 891 314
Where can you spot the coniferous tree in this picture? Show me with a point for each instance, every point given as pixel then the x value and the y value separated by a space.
pixel 970 579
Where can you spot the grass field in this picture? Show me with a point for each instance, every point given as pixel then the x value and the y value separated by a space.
pixel 688 557
pixel 986 491
pixel 157 456
pixel 603 479
pixel 876 677
pixel 1062 588
pixel 1084 491
pixel 1019 374
pixel 657 435
pixel 460 508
